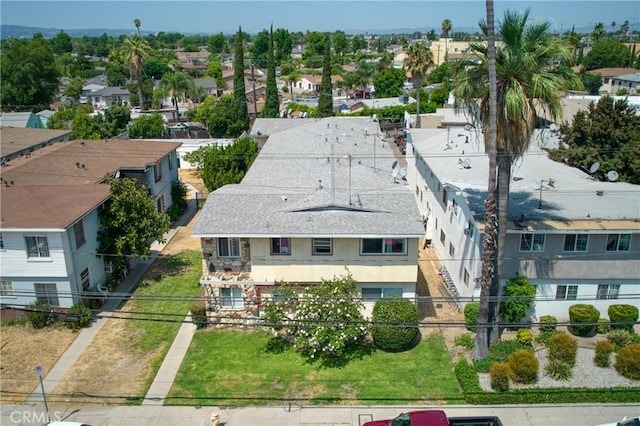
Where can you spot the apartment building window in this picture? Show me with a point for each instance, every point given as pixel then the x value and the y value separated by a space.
pixel 280 246
pixel 228 247
pixel 383 246
pixel 85 279
pixel 608 291
pixel 452 250
pixel 618 242
pixel 567 292
pixel 231 298
pixel 160 203
pixel 443 237
pixel 532 242
pixel 575 242
pixel 374 293
pixel 47 293
pixel 157 170
pixel 37 247
pixel 170 160
pixel 465 277
pixel 1 242
pixel 322 246
pixel 6 288
pixel 78 232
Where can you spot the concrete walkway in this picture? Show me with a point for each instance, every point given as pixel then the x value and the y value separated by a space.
pixel 65 362
pixel 170 365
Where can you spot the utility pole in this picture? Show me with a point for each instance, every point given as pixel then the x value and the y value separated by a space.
pixel 253 82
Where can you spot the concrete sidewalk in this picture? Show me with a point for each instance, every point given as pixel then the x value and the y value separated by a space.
pixel 149 415
pixel 65 362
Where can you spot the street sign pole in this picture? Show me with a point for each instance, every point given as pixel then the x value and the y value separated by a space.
pixel 40 372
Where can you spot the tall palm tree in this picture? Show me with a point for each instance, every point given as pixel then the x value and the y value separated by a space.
pixel 177 85
pixel 292 79
pixel 136 50
pixel 598 30
pixel 137 23
pixel 447 25
pixel 365 73
pixel 419 60
pixel 526 78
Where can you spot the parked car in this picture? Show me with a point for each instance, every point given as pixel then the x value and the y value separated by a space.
pixel 435 418
pixel 624 422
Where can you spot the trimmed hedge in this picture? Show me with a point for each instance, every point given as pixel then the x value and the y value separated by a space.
pixel 396 322
pixel 199 313
pixel 471 313
pixel 500 373
pixel 548 323
pixel 524 366
pixel 623 313
pixel 628 361
pixel 603 353
pixel 583 313
pixel 564 348
pixel 474 394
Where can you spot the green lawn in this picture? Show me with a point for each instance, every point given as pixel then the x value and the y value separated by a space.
pixel 155 334
pixel 224 367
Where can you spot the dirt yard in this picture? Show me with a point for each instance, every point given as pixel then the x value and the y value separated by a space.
pixel 108 371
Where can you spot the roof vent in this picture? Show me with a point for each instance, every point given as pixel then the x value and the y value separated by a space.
pixel 599 193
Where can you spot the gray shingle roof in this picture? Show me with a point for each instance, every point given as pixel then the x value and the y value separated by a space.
pixel 302 184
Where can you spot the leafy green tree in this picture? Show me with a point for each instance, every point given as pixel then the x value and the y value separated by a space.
pixel 365 72
pixel 136 50
pixel 129 222
pixel 177 85
pixel 148 126
pixel 340 44
pixel 221 117
pixel 61 43
pixel 419 61
pixel 325 323
pixel 156 67
pixel 592 82
pixel 272 102
pixel 260 48
pixel 115 121
pixel 63 118
pixel 28 75
pixel 389 82
pixel 87 127
pixel 607 53
pixel 358 43
pixel 609 132
pixel 325 102
pixel 314 43
pixel 443 73
pixel 215 70
pixel 217 44
pixel 526 76
pixel 74 88
pixel 224 165
pixel 519 295
pixel 283 44
pixel 239 90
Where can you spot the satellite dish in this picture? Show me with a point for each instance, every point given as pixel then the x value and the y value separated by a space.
pixel 395 163
pixel 612 175
pixel 394 173
pixel 466 163
pixel 594 167
pixel 403 172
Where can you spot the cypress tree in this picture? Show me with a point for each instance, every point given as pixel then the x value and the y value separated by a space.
pixel 325 103
pixel 272 103
pixel 239 91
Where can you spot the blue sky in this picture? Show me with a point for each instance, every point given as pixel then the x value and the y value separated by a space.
pixel 209 16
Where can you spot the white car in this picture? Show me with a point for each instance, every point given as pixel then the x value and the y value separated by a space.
pixel 624 422
pixel 136 110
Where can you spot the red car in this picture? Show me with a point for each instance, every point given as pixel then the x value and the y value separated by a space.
pixel 435 418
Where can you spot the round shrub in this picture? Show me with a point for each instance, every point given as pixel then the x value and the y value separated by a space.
pixel 583 313
pixel 39 315
pixel 548 323
pixel 563 348
pixel 525 336
pixel 524 366
pixel 558 369
pixel 603 353
pixel 628 361
pixel 603 326
pixel 199 313
pixel 78 316
pixel 500 373
pixel 623 313
pixel 471 312
pixel 396 324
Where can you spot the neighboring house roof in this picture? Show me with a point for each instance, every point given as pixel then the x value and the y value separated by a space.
pixel 632 78
pixel 110 91
pixel 572 194
pixel 206 82
pixel 84 162
pixel 303 184
pixel 100 80
pixel 269 126
pixel 14 140
pixel 612 72
pixel 53 207
pixel 21 119
pixel 381 102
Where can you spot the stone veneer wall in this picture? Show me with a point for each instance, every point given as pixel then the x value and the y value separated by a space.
pixel 211 262
pixel 217 315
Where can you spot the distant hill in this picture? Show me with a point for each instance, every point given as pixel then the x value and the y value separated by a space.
pixel 20 31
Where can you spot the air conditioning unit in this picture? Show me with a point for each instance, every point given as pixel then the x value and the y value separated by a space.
pixel 108 268
pixel 468 231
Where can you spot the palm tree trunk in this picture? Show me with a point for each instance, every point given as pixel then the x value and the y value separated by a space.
pixel 140 94
pixel 489 246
